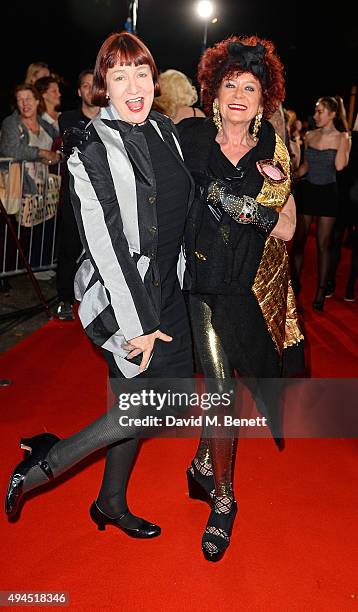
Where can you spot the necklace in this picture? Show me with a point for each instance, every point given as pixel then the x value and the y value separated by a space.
pixel 328 130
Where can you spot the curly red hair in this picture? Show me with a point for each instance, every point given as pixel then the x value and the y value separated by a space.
pixel 214 67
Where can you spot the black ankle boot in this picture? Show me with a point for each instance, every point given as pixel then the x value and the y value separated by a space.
pixel 140 528
pixel 216 538
pixel 200 486
pixel 38 448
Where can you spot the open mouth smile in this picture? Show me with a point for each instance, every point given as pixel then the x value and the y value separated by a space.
pixel 238 107
pixel 135 105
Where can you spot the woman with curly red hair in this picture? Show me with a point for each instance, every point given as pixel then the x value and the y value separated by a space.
pixel 242 306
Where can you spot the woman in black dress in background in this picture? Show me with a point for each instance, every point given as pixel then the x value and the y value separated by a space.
pixel 326 152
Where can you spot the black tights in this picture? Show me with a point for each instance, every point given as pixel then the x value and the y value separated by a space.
pixel 323 239
pixel 104 432
pixel 119 462
pixel 122 441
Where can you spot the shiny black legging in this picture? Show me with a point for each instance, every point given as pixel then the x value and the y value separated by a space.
pixel 218 371
pixel 218 374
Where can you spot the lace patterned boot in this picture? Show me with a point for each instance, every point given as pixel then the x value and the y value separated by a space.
pixel 201 483
pixel 216 538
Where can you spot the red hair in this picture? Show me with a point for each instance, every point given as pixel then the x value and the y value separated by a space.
pixel 126 49
pixel 215 66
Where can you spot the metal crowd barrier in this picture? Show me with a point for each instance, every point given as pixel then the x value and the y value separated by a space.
pixel 33 216
pixel 29 199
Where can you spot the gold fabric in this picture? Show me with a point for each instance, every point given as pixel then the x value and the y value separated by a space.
pixel 272 285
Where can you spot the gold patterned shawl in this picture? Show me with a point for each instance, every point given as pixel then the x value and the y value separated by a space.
pixel 272 286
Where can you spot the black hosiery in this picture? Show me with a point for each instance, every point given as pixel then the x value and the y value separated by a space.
pixel 298 247
pixel 105 431
pixel 323 239
pixel 335 250
pixel 202 459
pixel 119 461
pixel 69 451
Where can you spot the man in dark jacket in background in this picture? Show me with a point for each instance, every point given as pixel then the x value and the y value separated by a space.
pixel 69 243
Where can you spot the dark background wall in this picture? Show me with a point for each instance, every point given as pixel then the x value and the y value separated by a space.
pixel 319 47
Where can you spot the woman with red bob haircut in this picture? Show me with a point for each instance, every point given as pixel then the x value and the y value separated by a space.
pixel 131 51
pixel 130 191
pixel 241 302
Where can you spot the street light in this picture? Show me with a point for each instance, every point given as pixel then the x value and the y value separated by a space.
pixel 131 23
pixel 205 9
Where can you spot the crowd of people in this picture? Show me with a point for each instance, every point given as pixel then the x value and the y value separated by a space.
pixel 164 200
pixel 323 171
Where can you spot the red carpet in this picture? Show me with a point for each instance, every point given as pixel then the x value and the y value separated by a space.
pixel 294 544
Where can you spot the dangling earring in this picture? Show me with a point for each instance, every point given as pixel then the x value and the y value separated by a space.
pixel 217 116
pixel 257 126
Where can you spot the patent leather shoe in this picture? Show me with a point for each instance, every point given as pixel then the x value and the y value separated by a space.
pixel 143 528
pixel 37 449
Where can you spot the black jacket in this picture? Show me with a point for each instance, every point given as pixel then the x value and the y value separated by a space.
pixel 222 257
pixel 113 193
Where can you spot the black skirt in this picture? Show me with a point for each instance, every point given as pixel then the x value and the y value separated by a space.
pixel 319 200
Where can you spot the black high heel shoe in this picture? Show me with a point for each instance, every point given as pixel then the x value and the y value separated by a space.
pixel 200 486
pixel 143 528
pixel 38 448
pixel 216 538
pixel 318 303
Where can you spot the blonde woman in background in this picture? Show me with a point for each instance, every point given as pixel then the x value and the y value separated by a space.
pixel 177 96
pixel 36 71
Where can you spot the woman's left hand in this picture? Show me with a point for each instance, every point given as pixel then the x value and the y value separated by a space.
pixel 144 344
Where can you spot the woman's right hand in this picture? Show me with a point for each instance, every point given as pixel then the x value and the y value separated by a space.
pixel 145 345
pixel 48 157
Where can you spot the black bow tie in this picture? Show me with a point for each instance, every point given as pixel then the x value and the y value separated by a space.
pixel 123 127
